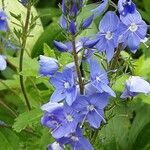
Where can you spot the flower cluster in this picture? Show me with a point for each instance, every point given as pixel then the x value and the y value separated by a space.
pixel 79 102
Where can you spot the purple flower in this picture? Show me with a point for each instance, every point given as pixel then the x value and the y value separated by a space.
pixel 50 118
pixel 60 46
pixel 99 78
pixel 48 66
pixel 65 87
pixel 3 63
pixel 108 35
pixel 76 140
pixel 92 108
pixel 97 11
pixel 69 123
pixel 126 7
pixel 87 22
pixel 3 21
pixel 133 30
pixel 62 119
pixel 135 85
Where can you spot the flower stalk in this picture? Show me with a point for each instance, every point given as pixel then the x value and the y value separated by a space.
pixel 76 61
pixel 23 45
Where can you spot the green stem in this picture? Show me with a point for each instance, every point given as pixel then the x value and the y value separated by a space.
pixel 94 136
pixel 3 5
pixel 24 40
pixel 116 58
pixel 76 61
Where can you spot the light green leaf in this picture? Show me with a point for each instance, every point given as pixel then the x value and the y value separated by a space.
pixel 17 8
pixel 27 119
pixel 48 51
pixel 65 59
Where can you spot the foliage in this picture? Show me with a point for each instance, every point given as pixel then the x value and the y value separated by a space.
pixel 128 125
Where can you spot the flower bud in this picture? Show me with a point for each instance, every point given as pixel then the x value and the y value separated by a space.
pixel 3 63
pixel 48 65
pixel 63 22
pixel 72 28
pixel 87 22
pixel 60 46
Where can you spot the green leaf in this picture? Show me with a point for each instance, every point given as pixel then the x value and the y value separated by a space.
pixel 15 7
pixel 65 59
pixel 48 51
pixel 9 84
pixel 140 121
pixel 27 119
pixel 30 67
pixel 53 31
pixel 143 142
pixel 8 140
pixel 114 134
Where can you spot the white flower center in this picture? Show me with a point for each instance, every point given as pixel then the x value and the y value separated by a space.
pixel 108 35
pixel 133 27
pixel 90 107
pixel 74 138
pixel 98 78
pixel 69 118
pixel 66 85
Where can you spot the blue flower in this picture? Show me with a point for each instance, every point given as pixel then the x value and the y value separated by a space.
pixel 23 2
pixel 76 140
pixel 108 35
pixel 97 11
pixel 69 123
pixel 126 7
pixel 3 63
pixel 61 119
pixel 3 21
pixel 133 30
pixel 92 107
pixel 99 78
pixel 135 85
pixel 65 86
pixel 48 66
pixel 50 118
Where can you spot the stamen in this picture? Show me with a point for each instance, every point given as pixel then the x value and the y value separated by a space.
pixel 133 27
pixel 108 35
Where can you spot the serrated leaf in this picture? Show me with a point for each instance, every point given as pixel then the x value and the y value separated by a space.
pixel 48 51
pixel 27 119
pixel 65 58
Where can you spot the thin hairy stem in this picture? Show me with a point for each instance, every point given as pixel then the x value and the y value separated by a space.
pixel 13 113
pixel 24 40
pixel 76 61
